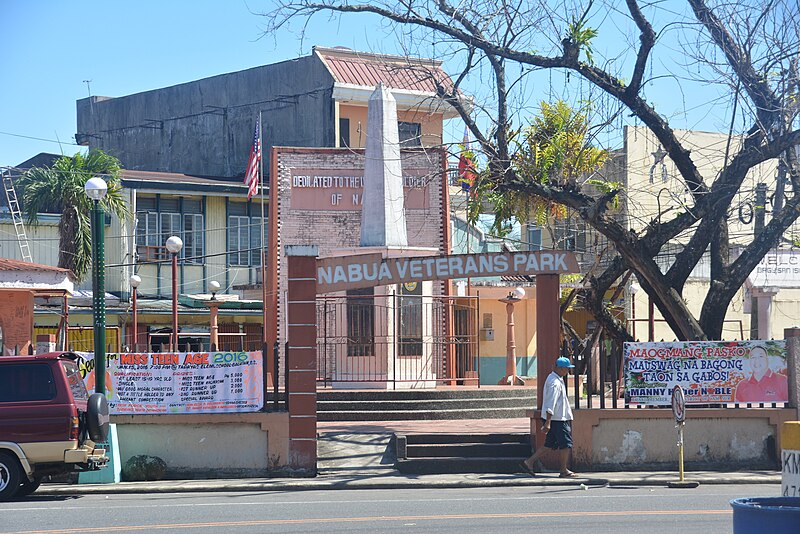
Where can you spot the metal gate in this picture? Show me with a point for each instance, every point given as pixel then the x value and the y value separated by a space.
pixel 405 339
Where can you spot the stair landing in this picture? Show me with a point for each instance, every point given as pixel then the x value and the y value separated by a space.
pixel 442 403
pixel 369 447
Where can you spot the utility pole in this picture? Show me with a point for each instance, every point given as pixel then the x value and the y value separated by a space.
pixel 777 202
pixel 759 212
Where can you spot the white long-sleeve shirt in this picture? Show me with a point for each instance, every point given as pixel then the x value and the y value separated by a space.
pixel 555 400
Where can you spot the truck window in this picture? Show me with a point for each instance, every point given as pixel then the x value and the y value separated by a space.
pixel 75 381
pixel 27 382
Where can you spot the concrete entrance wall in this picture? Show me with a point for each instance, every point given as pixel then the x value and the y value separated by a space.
pixel 209 445
pixel 612 439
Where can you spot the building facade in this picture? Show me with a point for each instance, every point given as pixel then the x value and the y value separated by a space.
pixel 205 127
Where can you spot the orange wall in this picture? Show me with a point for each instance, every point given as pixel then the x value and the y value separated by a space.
pixel 431 124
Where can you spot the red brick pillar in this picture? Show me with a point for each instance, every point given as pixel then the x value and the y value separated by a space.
pixel 548 340
pixel 301 357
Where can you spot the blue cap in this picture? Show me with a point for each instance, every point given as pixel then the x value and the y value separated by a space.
pixel 564 362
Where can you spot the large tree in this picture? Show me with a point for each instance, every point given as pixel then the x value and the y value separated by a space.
pixel 60 189
pixel 747 50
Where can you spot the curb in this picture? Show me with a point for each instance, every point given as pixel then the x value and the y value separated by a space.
pixel 360 482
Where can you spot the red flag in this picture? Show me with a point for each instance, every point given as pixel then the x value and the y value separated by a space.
pixel 466 171
pixel 253 165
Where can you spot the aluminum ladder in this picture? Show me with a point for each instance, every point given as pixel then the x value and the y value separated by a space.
pixel 16 216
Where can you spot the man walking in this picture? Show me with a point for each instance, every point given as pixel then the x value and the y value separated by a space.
pixel 557 419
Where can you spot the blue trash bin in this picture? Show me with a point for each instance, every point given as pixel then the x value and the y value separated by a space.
pixel 754 515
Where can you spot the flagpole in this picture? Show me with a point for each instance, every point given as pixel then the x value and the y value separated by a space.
pixel 264 348
pixel 469 232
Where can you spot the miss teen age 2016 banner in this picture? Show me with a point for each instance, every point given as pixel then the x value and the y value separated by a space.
pixel 708 371
pixel 185 382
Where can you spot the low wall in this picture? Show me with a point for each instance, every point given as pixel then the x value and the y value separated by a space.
pixel 493 368
pixel 209 445
pixel 631 439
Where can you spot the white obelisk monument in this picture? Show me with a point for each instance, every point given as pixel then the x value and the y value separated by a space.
pixel 383 231
pixel 383 219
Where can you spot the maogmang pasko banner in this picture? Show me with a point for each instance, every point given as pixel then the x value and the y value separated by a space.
pixel 184 382
pixel 708 371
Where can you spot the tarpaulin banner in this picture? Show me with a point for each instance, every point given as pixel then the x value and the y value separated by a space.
pixel 708 371
pixel 185 382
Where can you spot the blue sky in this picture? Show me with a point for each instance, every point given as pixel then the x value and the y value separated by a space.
pixel 51 46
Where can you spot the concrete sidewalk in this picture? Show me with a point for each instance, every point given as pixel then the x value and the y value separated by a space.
pixel 391 480
pixel 358 455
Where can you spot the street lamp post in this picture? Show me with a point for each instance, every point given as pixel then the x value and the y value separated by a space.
pixel 96 190
pixel 135 280
pixel 511 377
pixel 634 288
pixel 174 245
pixel 213 307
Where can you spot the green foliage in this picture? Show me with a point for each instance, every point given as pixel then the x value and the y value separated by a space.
pixel 581 35
pixel 554 150
pixel 607 187
pixel 61 188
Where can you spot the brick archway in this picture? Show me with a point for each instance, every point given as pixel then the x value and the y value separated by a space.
pixel 307 278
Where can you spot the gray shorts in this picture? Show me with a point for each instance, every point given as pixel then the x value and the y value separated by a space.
pixel 559 436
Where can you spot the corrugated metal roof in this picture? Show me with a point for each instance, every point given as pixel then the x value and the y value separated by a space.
pixel 358 68
pixel 135 179
pixel 7 264
pixel 171 177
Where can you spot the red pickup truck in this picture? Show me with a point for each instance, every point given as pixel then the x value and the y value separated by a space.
pixel 48 421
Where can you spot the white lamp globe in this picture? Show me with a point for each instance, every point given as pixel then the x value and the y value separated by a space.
pixel 96 188
pixel 519 293
pixel 213 286
pixel 174 244
pixel 135 280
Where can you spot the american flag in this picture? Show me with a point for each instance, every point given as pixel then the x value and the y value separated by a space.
pixel 253 164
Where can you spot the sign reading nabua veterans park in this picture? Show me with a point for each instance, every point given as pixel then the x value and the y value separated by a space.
pixel 369 270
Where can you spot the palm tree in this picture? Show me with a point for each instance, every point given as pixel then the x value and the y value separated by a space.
pixel 59 189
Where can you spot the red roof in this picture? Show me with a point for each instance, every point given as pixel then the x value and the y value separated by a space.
pixel 358 68
pixel 19 265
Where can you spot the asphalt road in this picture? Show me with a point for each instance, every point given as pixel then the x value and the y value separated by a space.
pixel 510 509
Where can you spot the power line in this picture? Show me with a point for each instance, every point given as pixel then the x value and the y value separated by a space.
pixel 39 139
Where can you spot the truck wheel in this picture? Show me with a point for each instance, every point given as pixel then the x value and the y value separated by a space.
pixel 10 475
pixel 27 487
pixel 97 417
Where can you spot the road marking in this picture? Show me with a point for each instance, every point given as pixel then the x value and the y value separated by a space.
pixel 323 520
pixel 527 497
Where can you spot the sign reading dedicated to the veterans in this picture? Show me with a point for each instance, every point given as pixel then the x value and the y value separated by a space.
pixel 707 371
pixel 368 270
pixel 185 382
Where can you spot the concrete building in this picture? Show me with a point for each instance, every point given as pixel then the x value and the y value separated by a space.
pixel 653 189
pixel 205 127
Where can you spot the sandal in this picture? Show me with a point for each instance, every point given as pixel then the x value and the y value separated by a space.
pixel 527 469
pixel 568 474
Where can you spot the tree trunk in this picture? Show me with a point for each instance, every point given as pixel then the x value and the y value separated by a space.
pixel 67 228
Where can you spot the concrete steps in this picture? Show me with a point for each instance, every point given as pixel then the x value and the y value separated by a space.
pixel 404 405
pixel 460 453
